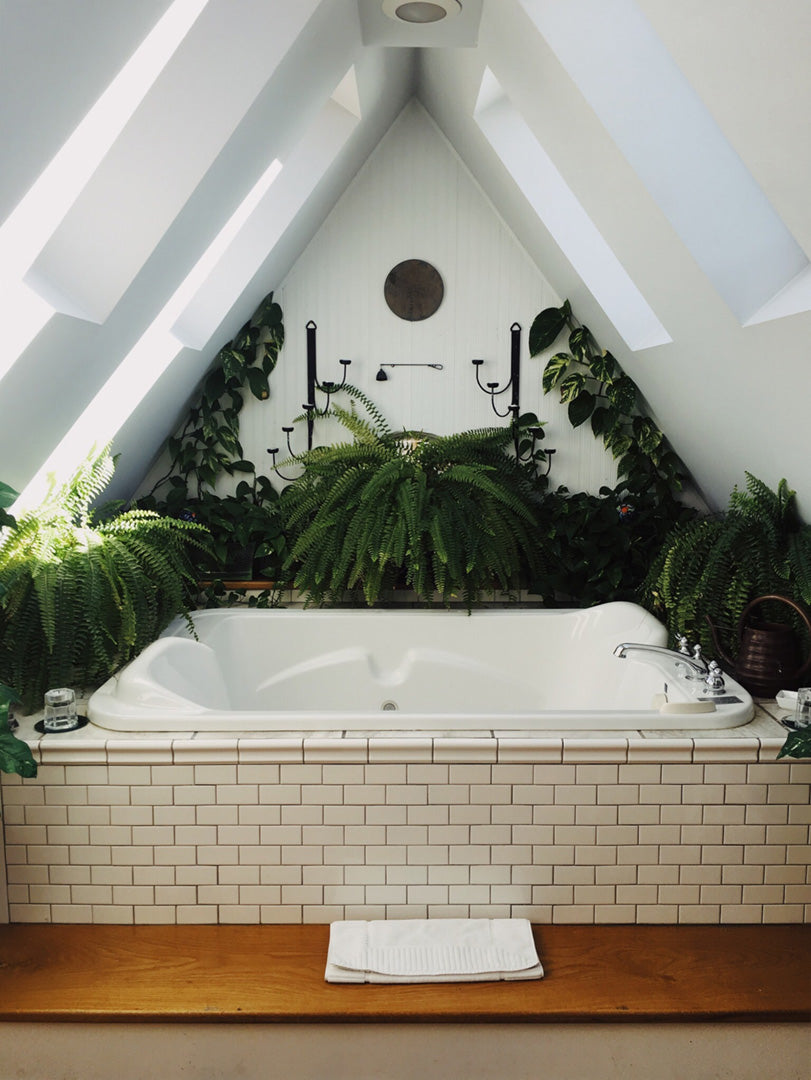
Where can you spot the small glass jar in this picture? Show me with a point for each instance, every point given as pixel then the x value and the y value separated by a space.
pixel 60 710
pixel 802 711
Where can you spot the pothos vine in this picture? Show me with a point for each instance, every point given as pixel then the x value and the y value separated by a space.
pixel 603 544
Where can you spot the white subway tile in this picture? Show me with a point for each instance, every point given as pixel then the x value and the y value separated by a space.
pixel 726 750
pixel 30 913
pixel 383 750
pixel 660 750
pixel 336 750
pixel 446 875
pixel 606 749
pixel 197 914
pixel 465 750
pixel 530 750
pixel 322 793
pixel 699 913
pixel 139 752
pixel 269 751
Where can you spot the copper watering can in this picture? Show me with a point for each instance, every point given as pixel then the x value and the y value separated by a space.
pixel 768 654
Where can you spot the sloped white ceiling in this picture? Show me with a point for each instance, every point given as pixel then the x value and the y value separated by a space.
pixel 730 397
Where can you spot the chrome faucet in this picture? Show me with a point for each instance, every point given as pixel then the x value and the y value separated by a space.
pixel 693 667
pixel 696 664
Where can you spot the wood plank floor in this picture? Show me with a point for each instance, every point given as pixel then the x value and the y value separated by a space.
pixel 276 974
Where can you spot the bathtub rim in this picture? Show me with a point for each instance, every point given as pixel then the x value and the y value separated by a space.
pixel 109 712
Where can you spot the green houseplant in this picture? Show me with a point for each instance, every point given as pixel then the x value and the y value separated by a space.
pixel 244 525
pixel 454 515
pixel 600 546
pixel 714 566
pixel 81 596
pixel 15 755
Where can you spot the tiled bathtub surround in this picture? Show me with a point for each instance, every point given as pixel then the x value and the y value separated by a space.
pixel 602 829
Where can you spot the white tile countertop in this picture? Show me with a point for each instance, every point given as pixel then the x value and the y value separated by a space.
pixel 759 740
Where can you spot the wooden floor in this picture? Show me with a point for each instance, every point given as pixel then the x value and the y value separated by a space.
pixel 275 974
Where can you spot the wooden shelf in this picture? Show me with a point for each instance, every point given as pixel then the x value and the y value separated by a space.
pixel 275 974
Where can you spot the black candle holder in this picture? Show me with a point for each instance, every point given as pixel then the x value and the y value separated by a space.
pixel 327 387
pixel 513 410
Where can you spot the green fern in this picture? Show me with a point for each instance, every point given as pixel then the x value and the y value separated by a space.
pixel 453 515
pixel 79 599
pixel 715 566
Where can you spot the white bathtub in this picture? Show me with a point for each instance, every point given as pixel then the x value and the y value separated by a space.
pixel 435 670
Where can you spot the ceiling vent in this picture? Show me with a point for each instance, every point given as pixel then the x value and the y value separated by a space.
pixel 420 11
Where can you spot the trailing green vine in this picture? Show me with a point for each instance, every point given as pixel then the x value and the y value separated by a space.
pixel 208 446
pixel 602 545
pixel 594 387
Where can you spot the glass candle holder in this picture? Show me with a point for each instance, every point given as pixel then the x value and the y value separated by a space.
pixel 60 710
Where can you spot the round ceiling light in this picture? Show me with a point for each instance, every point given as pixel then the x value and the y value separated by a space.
pixel 420 11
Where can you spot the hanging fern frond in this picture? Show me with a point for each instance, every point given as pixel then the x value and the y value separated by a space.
pixel 452 515
pixel 717 565
pixel 80 600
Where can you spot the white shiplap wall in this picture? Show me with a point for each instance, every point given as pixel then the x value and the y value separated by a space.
pixel 414 198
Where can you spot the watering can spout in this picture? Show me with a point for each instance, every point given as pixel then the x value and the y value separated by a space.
pixel 725 658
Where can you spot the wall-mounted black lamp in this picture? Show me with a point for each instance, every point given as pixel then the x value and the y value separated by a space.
pixel 383 377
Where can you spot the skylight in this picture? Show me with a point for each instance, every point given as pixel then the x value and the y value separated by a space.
pixel 146 361
pixel 568 223
pixel 28 228
pixel 681 155
pixel 251 244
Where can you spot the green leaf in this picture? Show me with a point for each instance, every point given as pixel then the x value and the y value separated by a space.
pixel 258 383
pixel 214 385
pixel 545 329
pixel 603 367
pixel 571 386
pixel 579 341
pixel 7 495
pixel 622 394
pixel 581 408
pixel 16 756
pixel 618 443
pixel 797 745
pixel 233 363
pixel 600 420
pixel 555 369
pixel 648 436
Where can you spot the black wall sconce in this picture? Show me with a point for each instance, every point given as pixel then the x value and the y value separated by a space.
pixel 492 388
pixel 310 410
pixel 513 410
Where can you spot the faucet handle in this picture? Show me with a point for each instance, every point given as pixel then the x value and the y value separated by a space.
pixel 715 680
pixel 683 644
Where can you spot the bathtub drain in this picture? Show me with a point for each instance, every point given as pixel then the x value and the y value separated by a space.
pixel 389 706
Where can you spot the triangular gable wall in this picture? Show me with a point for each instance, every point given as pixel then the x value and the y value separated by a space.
pixel 414 198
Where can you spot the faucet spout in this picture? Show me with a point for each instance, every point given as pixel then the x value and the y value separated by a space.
pixel 696 666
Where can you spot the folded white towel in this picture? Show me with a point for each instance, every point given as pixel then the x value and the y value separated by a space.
pixel 431 950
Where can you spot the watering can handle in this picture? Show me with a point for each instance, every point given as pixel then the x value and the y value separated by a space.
pixel 801 611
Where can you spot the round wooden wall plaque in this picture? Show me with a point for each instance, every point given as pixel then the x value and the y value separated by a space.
pixel 414 290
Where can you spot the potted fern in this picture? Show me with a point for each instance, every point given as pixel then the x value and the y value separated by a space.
pixel 714 566
pixel 453 515
pixel 79 595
